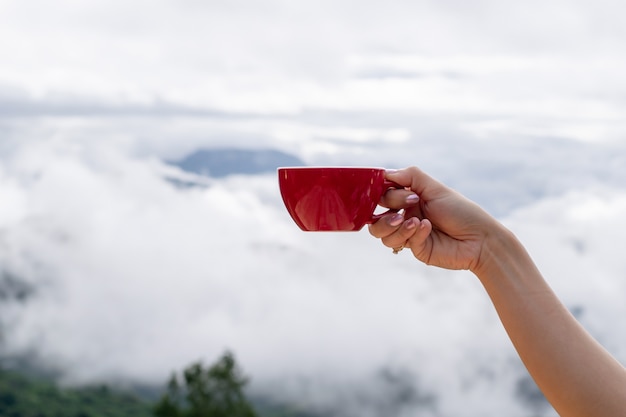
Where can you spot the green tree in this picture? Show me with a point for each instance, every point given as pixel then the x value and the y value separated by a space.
pixel 213 392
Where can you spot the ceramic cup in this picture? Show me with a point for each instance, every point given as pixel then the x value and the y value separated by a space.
pixel 332 198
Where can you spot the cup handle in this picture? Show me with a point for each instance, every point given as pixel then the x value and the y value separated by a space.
pixel 386 185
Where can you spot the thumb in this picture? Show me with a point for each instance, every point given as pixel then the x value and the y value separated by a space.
pixel 417 180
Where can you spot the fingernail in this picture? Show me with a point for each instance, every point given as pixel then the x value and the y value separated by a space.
pixel 396 219
pixel 412 199
pixel 391 171
pixel 410 224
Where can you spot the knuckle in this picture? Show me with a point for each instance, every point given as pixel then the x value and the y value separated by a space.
pixel 375 231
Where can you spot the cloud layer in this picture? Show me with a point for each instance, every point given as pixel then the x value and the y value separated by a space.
pixel 135 277
pixel 540 70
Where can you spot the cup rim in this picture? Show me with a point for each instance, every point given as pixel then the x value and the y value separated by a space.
pixel 329 167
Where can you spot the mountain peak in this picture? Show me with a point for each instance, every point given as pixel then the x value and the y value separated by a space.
pixel 228 161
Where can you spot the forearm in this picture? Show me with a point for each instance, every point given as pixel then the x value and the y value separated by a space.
pixel 574 372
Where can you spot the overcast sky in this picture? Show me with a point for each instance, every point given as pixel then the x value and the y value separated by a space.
pixel 545 69
pixel 518 104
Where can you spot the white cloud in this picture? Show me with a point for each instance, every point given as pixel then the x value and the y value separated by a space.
pixel 560 60
pixel 136 278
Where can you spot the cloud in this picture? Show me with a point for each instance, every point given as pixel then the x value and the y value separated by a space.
pixel 17 103
pixel 274 57
pixel 136 278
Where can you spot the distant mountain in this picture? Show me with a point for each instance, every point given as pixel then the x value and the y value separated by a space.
pixel 223 162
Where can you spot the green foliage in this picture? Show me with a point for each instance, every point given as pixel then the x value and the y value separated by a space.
pixel 213 392
pixel 27 397
pixel 267 408
pixel 196 392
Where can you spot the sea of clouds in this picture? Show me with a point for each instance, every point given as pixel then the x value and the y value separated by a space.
pixel 132 278
pixel 112 273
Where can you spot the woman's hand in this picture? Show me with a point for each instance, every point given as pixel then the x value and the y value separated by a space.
pixel 441 227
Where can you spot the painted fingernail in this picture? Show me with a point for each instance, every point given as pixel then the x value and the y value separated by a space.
pixel 411 223
pixel 396 219
pixel 391 171
pixel 412 199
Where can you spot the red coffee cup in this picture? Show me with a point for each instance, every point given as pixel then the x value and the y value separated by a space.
pixel 332 198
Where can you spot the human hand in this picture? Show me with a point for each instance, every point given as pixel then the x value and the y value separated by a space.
pixel 441 228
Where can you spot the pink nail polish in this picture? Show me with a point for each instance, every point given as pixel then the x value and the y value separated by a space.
pixel 412 199
pixel 396 219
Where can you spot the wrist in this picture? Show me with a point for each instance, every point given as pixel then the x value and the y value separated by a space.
pixel 501 254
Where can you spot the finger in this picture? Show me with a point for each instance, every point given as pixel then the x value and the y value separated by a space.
pixel 399 176
pixel 416 180
pixel 420 242
pixel 402 234
pixel 386 225
pixel 399 198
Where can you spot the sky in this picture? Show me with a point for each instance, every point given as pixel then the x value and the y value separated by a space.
pixel 518 105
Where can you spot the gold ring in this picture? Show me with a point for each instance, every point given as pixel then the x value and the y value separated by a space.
pixel 397 250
